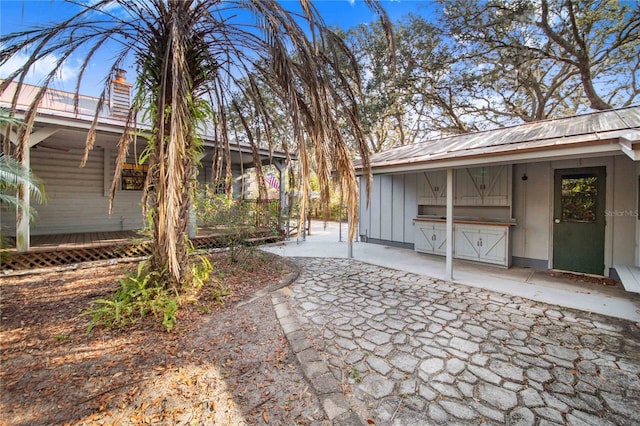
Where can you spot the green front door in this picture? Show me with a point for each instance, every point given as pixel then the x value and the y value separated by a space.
pixel 579 222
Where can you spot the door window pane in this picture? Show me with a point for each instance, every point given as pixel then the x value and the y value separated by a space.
pixel 579 198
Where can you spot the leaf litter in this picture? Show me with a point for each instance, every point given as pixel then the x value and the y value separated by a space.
pixel 223 364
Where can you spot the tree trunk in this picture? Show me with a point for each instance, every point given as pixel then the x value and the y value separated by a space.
pixel 587 83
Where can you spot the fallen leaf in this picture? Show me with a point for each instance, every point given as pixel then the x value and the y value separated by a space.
pixel 265 416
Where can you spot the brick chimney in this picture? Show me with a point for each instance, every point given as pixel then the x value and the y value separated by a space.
pixel 120 95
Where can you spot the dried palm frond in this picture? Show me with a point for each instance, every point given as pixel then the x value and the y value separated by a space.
pixel 185 51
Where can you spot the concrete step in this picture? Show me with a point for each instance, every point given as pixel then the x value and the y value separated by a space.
pixel 629 277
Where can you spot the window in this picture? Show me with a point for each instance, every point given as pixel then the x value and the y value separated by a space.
pixel 579 198
pixel 133 176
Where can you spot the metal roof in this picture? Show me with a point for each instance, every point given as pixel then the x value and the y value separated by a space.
pixel 57 108
pixel 602 131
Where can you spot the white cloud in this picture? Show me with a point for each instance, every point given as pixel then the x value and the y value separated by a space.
pixel 113 7
pixel 41 68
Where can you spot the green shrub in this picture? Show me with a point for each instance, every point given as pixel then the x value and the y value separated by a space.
pixel 139 294
pixel 144 293
pixel 239 220
pixel 200 272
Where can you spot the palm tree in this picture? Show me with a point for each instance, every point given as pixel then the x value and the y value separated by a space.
pixel 189 56
pixel 13 176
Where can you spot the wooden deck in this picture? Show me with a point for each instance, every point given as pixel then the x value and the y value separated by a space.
pixel 82 240
pixel 65 249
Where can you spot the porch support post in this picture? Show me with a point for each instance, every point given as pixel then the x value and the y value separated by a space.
pixel 192 226
pixel 449 261
pixel 23 228
pixel 282 168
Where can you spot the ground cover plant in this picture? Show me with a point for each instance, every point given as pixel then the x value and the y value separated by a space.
pixel 226 361
pixel 193 60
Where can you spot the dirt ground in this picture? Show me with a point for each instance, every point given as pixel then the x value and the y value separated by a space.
pixel 221 365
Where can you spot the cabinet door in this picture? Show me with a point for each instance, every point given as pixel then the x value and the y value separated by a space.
pixel 466 242
pixel 496 186
pixel 468 186
pixel 432 188
pixel 493 244
pixel 489 186
pixel 421 189
pixel 440 241
pixel 423 238
pixel 437 182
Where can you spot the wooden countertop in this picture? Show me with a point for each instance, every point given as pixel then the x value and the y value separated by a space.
pixel 468 220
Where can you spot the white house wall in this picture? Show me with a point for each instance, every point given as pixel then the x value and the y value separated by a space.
pixel 76 197
pixel 386 208
pixel 623 218
pixel 533 209
pixel 397 217
pixel 392 207
pixel 374 209
pixel 77 201
pixel 363 212
pixel 410 206
pixel 636 178
pixel 530 238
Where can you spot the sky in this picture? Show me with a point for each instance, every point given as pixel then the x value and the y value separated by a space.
pixel 18 15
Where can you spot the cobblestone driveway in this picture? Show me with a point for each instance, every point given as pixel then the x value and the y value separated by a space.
pixel 411 350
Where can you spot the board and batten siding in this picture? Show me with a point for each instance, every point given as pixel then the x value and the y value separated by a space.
pixel 533 208
pixel 623 217
pixel 392 207
pixel 531 198
pixel 78 198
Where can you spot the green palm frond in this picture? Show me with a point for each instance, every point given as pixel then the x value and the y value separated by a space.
pixel 12 177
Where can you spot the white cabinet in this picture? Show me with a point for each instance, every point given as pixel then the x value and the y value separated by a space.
pixel 432 188
pixel 482 243
pixel 483 186
pixel 474 186
pixel 430 237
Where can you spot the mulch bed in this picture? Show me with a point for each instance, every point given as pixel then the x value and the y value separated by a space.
pixel 222 364
pixel 584 278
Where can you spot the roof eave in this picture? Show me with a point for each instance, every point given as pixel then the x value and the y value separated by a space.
pixel 534 154
pixel 116 126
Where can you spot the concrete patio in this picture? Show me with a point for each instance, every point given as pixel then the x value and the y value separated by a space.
pixel 383 339
pixel 523 282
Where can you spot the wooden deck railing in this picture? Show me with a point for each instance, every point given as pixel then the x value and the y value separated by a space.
pixel 77 250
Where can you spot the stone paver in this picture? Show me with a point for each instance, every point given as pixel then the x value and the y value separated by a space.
pixel 408 348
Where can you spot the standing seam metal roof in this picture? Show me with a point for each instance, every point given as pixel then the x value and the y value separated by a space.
pixel 597 127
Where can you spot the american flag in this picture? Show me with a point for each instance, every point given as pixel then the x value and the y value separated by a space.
pixel 272 181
